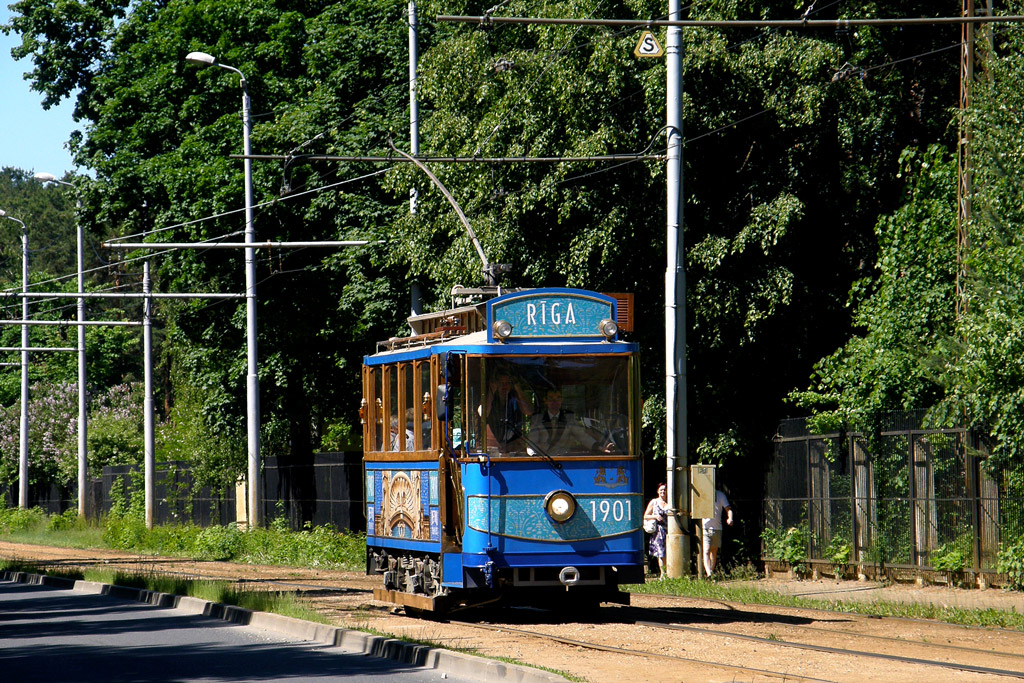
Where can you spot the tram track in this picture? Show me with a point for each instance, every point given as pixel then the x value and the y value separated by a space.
pixel 632 632
pixel 776 642
pixel 868 636
pixel 732 605
pixel 637 653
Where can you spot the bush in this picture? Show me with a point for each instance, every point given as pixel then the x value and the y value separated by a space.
pixel 321 546
pixel 218 543
pixel 838 552
pixel 790 545
pixel 20 519
pixel 64 522
pixel 125 533
pixel 948 558
pixel 1011 562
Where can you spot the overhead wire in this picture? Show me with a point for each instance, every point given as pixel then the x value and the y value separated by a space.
pixel 811 9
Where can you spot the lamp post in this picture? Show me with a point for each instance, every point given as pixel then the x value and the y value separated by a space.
pixel 83 418
pixel 23 430
pixel 254 512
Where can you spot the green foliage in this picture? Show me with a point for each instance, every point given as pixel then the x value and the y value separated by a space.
pixel 719 451
pixel 789 545
pixel 904 314
pixel 1011 562
pixel 985 359
pixel 791 138
pixel 653 421
pixel 218 543
pixel 69 519
pixel 838 552
pixel 321 546
pixel 214 451
pixel 949 557
pixel 125 533
pixel 21 519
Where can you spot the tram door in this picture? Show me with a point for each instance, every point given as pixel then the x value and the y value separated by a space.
pixel 447 371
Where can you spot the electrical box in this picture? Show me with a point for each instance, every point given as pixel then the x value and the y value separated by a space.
pixel 702 491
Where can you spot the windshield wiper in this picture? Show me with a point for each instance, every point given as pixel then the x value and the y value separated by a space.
pixel 541 452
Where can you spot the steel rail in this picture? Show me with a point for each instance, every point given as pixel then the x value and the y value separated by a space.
pixel 766 618
pixel 837 650
pixel 636 653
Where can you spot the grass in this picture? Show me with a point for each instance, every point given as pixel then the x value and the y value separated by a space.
pixel 696 588
pixel 316 547
pixel 221 592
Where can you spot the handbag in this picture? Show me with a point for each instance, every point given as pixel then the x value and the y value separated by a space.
pixel 650 526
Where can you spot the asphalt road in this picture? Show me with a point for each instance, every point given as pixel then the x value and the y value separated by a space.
pixel 49 635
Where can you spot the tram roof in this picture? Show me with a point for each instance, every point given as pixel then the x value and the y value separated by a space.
pixel 476 343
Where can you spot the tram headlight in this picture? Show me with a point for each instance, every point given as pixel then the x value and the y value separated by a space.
pixel 560 505
pixel 502 329
pixel 609 328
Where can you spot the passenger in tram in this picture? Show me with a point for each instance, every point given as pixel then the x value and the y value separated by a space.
pixel 506 409
pixel 409 436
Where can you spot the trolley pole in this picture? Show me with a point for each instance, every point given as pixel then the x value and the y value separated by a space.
pixel 677 546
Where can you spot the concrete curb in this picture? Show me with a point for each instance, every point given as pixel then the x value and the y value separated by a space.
pixel 443 661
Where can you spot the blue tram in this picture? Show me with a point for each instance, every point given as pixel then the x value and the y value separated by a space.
pixel 502 454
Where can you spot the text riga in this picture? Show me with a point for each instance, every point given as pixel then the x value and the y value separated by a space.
pixel 552 314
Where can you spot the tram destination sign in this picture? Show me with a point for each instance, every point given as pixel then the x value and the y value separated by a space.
pixel 550 314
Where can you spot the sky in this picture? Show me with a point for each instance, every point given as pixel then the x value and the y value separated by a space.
pixel 31 138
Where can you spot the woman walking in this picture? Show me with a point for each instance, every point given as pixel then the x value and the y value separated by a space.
pixel 657 514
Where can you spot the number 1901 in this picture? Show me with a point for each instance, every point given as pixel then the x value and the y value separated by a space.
pixel 618 509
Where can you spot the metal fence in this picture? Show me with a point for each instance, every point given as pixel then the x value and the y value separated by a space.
pixel 332 482
pixel 906 497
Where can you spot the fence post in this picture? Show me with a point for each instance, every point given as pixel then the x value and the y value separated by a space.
pixel 864 496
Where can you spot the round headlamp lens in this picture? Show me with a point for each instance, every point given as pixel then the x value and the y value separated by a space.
pixel 502 329
pixel 609 328
pixel 560 505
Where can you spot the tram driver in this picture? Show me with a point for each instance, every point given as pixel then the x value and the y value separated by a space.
pixel 555 431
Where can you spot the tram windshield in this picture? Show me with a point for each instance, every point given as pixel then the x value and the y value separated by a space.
pixel 550 405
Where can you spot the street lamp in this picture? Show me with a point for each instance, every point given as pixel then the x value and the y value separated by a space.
pixel 255 516
pixel 83 419
pixel 23 430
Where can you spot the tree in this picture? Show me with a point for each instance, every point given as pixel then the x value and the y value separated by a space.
pixel 159 139
pixel 903 314
pixel 984 365
pixel 792 139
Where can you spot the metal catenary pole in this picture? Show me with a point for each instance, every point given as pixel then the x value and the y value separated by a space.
pixel 677 546
pixel 23 424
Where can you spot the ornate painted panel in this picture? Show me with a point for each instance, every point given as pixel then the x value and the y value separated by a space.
pixel 597 516
pixel 403 504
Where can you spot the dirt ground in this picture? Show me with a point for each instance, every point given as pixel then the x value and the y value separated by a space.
pixel 708 640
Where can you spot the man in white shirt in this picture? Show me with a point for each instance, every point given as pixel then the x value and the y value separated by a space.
pixel 554 431
pixel 711 531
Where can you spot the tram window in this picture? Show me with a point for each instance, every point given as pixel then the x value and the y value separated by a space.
pixel 392 404
pixel 377 409
pixel 425 410
pixel 592 406
pixel 408 414
pixel 456 422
